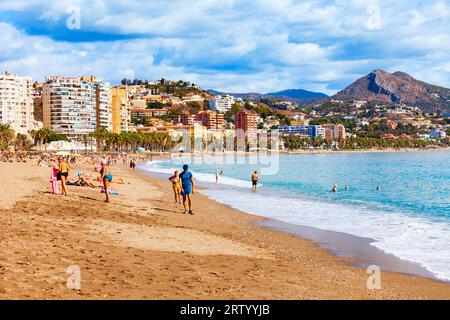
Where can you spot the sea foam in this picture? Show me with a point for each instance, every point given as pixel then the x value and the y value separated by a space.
pixel 422 240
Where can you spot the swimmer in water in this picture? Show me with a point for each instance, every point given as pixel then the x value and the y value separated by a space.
pixel 378 188
pixel 335 188
pixel 346 188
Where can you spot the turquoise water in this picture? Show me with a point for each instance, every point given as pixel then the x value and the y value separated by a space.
pixel 409 217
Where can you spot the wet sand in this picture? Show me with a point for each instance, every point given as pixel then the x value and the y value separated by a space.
pixel 141 246
pixel 357 250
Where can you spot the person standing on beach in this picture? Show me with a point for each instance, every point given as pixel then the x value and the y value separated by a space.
pixel 105 171
pixel 187 188
pixel 63 173
pixel 255 180
pixel 218 173
pixel 176 186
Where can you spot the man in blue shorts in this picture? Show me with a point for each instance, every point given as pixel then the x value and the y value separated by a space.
pixel 187 188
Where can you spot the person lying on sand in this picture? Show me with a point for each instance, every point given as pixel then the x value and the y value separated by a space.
pixel 81 182
pixel 116 180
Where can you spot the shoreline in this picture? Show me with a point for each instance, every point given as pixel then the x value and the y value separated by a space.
pixel 355 250
pixel 171 155
pixel 141 246
pixel 396 267
pixel 387 150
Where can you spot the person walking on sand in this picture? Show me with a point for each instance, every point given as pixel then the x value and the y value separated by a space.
pixel 63 173
pixel 107 177
pixel 255 180
pixel 187 188
pixel 176 186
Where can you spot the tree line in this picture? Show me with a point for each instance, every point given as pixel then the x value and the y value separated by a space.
pixel 104 140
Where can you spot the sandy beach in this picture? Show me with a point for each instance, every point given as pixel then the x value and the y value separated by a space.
pixel 141 246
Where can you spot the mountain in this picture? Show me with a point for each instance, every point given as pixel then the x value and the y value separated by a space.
pixel 399 87
pixel 288 95
pixel 298 94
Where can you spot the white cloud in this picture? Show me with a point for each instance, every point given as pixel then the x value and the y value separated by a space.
pixel 252 45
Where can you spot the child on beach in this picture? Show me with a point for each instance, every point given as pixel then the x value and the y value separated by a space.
pixel 176 186
pixel 54 180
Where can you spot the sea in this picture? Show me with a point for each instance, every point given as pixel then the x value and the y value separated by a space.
pixel 408 216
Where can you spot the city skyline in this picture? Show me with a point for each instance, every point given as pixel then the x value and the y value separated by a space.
pixel 256 46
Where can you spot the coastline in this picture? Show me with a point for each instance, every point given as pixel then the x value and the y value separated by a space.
pixel 356 251
pixel 349 250
pixel 142 247
pixel 387 150
pixel 346 151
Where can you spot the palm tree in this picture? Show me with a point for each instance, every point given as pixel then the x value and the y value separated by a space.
pixel 6 136
pixel 100 135
pixel 43 136
pixel 85 139
pixel 33 135
pixel 22 142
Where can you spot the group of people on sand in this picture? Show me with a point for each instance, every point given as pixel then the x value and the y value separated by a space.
pixel 60 172
pixel 183 188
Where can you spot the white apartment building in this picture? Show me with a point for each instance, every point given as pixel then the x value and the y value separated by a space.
pixel 103 104
pixel 76 106
pixel 221 103
pixel 16 102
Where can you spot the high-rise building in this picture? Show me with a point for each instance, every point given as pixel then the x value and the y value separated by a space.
pixel 246 127
pixel 221 103
pixel 76 106
pixel 187 119
pixel 121 113
pixel 211 120
pixel 16 102
pixel 334 131
pixel 103 102
pixel 315 131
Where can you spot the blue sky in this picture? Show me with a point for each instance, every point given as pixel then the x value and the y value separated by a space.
pixel 229 45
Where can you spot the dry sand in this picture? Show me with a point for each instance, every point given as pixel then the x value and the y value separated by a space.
pixel 141 247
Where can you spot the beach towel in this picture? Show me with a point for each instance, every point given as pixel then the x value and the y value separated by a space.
pixel 54 181
pixel 113 193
